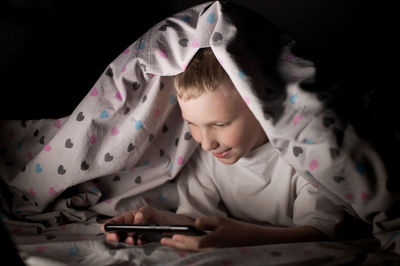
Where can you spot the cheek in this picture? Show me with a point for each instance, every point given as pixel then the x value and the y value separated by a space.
pixel 233 137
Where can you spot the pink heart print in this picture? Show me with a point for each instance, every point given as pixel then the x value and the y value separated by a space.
pixel 94 92
pixel 47 147
pixel 57 123
pixel 308 251
pixel 181 253
pixel 32 192
pixel 109 201
pixel 349 196
pixel 163 54
pixel 195 43
pixel 364 196
pixel 16 230
pixel 52 191
pixel 289 57
pixel 180 160
pixel 114 131
pixel 118 95
pixel 40 249
pixel 93 139
pixel 313 164
pixel 243 250
pixel 296 119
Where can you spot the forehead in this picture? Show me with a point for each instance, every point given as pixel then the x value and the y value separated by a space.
pixel 220 105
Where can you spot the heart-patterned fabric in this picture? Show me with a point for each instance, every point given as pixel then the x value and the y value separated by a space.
pixel 124 144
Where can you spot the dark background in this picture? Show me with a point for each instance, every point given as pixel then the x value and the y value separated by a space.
pixel 53 51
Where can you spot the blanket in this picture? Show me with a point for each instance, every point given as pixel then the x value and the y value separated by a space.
pixel 125 143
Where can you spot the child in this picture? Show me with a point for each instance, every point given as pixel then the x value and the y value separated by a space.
pixel 237 186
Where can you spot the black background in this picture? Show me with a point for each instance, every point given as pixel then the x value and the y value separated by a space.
pixel 52 52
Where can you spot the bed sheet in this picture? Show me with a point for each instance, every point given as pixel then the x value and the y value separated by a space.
pixel 85 244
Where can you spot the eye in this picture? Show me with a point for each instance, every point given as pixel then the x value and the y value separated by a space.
pixel 220 125
pixel 191 124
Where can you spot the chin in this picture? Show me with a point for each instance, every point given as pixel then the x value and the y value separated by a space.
pixel 228 160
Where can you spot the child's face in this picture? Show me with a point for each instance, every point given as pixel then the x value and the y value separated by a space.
pixel 223 124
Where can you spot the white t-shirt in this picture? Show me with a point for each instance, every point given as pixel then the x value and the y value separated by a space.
pixel 259 188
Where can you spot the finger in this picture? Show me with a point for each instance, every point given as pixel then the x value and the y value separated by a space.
pixel 173 243
pixel 207 223
pixel 130 240
pixel 125 218
pixel 141 239
pixel 145 214
pixel 135 239
pixel 112 237
pixel 102 228
pixel 187 243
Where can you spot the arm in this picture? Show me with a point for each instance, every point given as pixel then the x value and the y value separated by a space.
pixel 230 233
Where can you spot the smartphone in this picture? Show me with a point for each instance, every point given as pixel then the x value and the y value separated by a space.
pixel 150 228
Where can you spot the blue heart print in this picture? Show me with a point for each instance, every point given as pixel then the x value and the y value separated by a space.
pixel 185 18
pixel 211 18
pixel 73 251
pixel 172 99
pixel 360 168
pixel 138 124
pixel 38 168
pixel 293 98
pixel 141 46
pixel 308 141
pixel 241 74
pixel 394 235
pixel 104 114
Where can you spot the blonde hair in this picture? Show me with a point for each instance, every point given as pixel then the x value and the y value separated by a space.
pixel 203 74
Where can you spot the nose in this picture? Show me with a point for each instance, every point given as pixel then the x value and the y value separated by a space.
pixel 206 138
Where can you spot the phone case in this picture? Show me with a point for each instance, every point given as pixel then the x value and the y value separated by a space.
pixel 148 228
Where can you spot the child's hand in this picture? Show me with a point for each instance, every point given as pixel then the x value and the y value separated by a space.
pixel 225 233
pixel 141 216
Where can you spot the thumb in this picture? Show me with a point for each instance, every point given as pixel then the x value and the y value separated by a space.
pixel 207 223
pixel 145 215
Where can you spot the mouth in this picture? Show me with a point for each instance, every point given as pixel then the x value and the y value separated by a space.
pixel 222 154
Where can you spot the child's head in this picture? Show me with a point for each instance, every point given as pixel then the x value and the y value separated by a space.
pixel 218 117
pixel 203 74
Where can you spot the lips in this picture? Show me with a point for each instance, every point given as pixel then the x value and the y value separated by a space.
pixel 222 154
